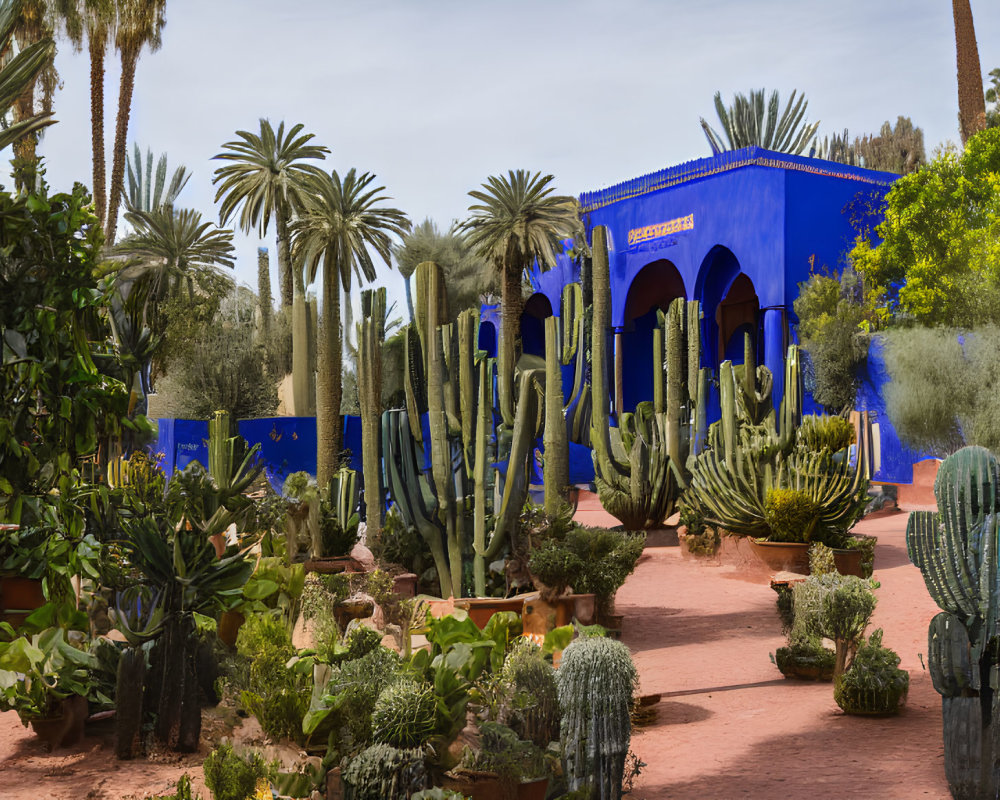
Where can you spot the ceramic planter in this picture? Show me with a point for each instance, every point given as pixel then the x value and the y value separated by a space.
pixel 405 584
pixel 64 727
pixel 477 785
pixel 794 557
pixel 480 609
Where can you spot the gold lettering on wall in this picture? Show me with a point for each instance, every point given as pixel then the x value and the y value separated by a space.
pixel 639 235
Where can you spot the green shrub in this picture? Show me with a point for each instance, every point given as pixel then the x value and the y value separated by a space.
pixel 873 684
pixel 700 537
pixel 817 432
pixel 835 607
pixel 383 772
pixel 404 714
pixel 530 703
pixel 270 691
pixel 229 776
pixel 591 560
pixel 791 515
pixel 505 754
pixel 336 540
pixel 808 653
pixel 399 543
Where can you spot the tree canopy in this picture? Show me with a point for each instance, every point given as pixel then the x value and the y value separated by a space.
pixel 939 259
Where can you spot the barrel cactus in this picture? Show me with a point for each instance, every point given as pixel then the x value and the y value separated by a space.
pixel 404 714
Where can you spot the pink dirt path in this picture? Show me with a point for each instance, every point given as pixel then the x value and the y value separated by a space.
pixel 729 725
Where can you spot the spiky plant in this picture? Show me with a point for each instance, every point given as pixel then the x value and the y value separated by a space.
pixel 747 122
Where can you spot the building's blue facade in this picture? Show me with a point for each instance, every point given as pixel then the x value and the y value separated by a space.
pixel 739 232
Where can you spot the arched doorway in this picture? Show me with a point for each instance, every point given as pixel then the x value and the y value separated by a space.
pixel 652 290
pixel 536 309
pixel 735 316
pixel 729 307
pixel 488 338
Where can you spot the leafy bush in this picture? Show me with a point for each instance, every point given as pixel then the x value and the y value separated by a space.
pixel 233 777
pixel 824 431
pixel 399 543
pixel 791 515
pixel 270 691
pixel 591 560
pixel 383 772
pixel 700 537
pixel 873 684
pixel 805 652
pixel 336 540
pixel 835 607
pixel 505 754
pixel 404 714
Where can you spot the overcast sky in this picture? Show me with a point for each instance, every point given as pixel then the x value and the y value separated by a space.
pixel 436 95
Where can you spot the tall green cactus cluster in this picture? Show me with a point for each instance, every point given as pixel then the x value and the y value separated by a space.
pixel 371 337
pixel 956 549
pixel 640 464
pixel 229 458
pixel 754 450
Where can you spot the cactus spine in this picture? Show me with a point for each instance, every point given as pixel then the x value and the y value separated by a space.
pixel 371 337
pixel 956 550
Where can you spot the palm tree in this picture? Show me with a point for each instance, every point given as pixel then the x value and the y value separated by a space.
pixel 467 277
pixel 139 24
pixel 96 19
pixel 971 104
pixel 172 250
pixel 35 23
pixel 267 177
pixel 18 75
pixel 517 222
pixel 148 190
pixel 746 123
pixel 341 220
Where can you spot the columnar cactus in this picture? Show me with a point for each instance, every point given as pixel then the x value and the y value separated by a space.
pixel 556 465
pixel 640 464
pixel 956 550
pixel 371 337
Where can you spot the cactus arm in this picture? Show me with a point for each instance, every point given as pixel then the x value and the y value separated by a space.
pixel 515 489
pixel 371 338
pixel 659 401
pixel 556 463
pixel 569 317
pixel 484 423
pixel 675 378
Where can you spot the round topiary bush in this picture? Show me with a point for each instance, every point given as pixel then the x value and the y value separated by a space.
pixel 404 714
pixel 791 515
pixel 874 683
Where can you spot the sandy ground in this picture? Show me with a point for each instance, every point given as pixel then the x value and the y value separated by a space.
pixel 728 724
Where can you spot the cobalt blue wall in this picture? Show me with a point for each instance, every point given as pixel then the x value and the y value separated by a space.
pixel 288 444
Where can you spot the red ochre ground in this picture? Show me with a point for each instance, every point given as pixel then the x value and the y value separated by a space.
pixel 727 726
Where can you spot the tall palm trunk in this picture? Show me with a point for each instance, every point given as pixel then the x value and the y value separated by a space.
pixel 510 335
pixel 98 46
pixel 301 401
pixel 328 386
pixel 286 280
pixel 130 57
pixel 971 103
pixel 264 293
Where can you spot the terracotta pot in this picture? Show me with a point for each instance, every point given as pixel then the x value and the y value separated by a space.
pixel 480 609
pixel 540 616
pixel 327 566
pixel 477 785
pixel 405 584
pixel 65 727
pixel 794 557
pixel 229 627
pixel 782 556
pixel 334 784
pixel 533 790
pixel 21 594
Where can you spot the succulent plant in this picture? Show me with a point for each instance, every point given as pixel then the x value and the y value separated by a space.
pixel 404 714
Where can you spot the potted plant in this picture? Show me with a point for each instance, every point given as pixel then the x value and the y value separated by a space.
pixel 588 561
pixel 45 680
pixel 503 767
pixel 333 523
pixel 873 684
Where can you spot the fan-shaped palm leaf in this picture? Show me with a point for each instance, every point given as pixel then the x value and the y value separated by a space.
pixel 266 177
pixel 516 222
pixel 340 221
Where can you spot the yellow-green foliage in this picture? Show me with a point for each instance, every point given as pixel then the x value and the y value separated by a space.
pixel 791 515
pixel 819 431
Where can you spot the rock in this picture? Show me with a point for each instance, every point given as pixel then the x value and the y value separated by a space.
pixel 363 556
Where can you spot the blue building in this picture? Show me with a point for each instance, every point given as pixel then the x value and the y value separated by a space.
pixel 739 232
